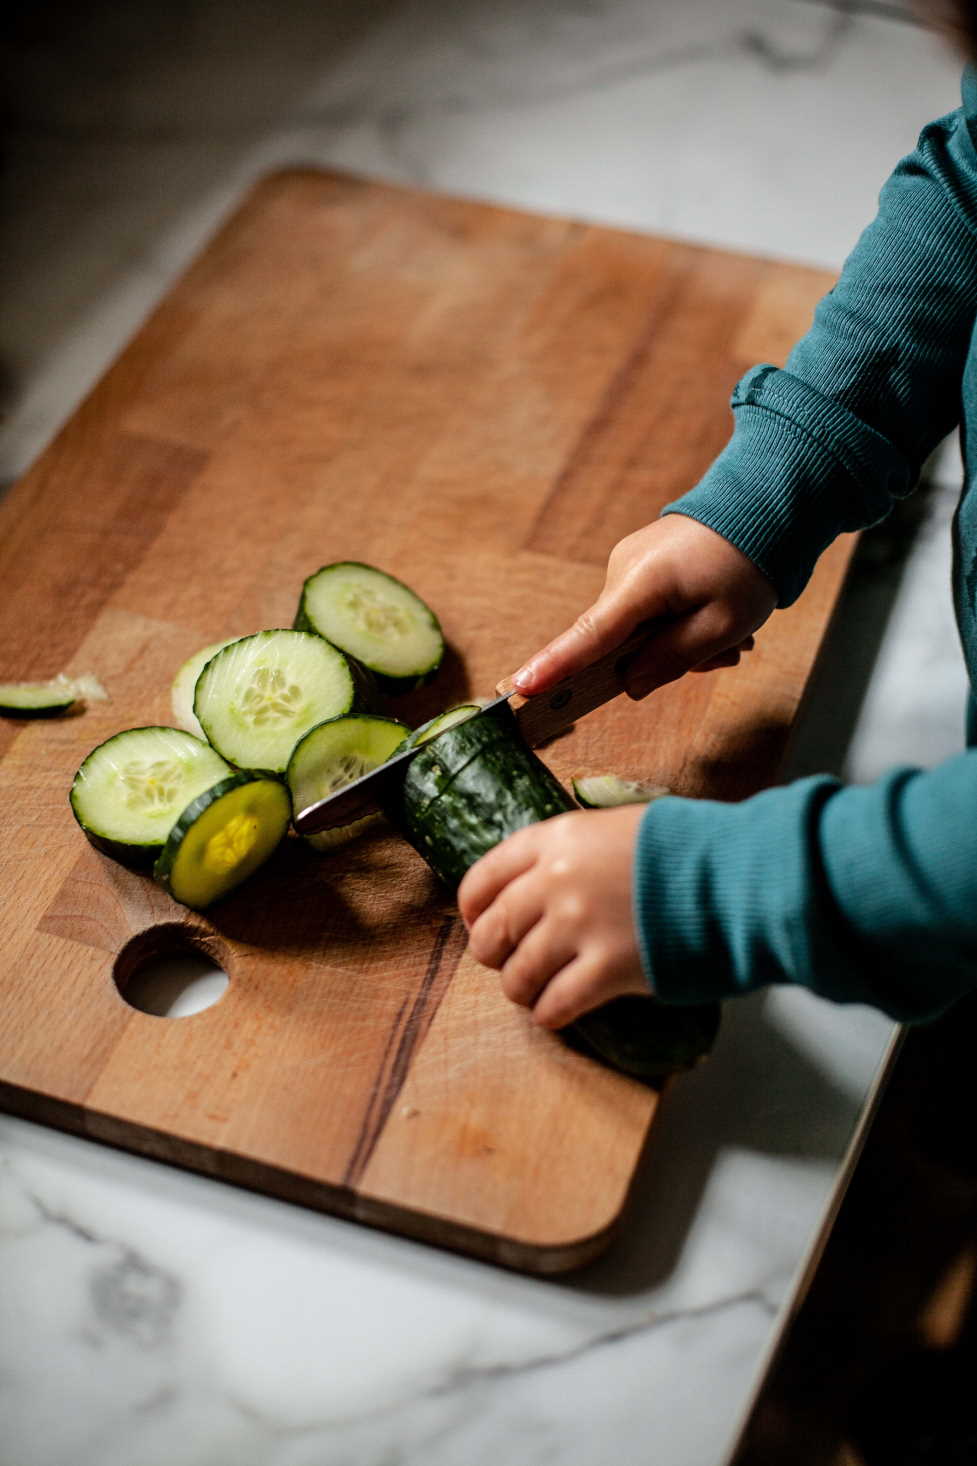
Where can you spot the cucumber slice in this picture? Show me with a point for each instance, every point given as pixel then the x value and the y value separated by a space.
pixel 222 837
pixel 442 722
pixel 130 789
pixel 334 753
pixel 182 689
pixel 376 620
pixel 606 791
pixel 48 699
pixel 257 697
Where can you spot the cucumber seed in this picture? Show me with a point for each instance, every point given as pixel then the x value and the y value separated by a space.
pixel 151 785
pixel 270 697
pixel 232 844
pixel 376 615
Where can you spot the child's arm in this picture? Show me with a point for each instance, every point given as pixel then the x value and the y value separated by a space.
pixel 708 597
pixel 863 895
pixel 829 442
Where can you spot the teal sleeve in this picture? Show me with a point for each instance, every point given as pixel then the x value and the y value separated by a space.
pixel 860 893
pixel 831 441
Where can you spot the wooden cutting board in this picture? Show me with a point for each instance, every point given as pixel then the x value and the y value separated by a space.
pixel 481 402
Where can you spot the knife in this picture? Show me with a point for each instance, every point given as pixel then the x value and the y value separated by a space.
pixel 538 718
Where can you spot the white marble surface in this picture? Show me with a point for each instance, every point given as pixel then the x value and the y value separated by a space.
pixel 158 1317
pixel 149 1316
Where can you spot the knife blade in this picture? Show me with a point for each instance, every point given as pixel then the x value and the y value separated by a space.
pixel 539 719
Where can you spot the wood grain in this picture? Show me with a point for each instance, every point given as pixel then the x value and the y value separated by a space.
pixel 481 402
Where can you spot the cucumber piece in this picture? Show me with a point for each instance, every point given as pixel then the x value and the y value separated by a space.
pixel 376 620
pixel 130 789
pixel 478 782
pixel 442 722
pixel 49 699
pixel 607 791
pixel 257 697
pixel 334 753
pixel 469 788
pixel 185 681
pixel 645 1038
pixel 222 836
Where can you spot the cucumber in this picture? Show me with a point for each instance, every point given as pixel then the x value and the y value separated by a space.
pixel 478 782
pixel 376 620
pixel 222 836
pixel 130 789
pixel 259 695
pixel 469 788
pixel 182 689
pixel 442 722
pixel 645 1038
pixel 334 753
pixel 607 791
pixel 48 699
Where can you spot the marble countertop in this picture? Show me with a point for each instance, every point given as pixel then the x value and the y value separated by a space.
pixel 151 1316
pixel 160 1317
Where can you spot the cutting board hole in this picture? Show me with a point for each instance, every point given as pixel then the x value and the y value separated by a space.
pixel 168 977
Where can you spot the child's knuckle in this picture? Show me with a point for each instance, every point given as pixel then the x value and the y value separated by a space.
pixel 516 984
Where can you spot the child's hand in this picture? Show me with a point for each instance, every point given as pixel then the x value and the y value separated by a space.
pixel 709 597
pixel 551 908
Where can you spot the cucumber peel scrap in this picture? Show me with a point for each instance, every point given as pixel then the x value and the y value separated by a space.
pixel 607 791
pixel 47 699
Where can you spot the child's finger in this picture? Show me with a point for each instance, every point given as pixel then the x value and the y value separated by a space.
pixel 681 646
pixel 546 950
pixel 605 625
pixel 568 994
pixel 502 926
pixel 728 658
pixel 487 877
pixel 580 986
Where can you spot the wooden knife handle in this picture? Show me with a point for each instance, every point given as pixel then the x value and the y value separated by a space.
pixel 546 714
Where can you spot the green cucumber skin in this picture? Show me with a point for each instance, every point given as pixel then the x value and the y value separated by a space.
pixel 52 698
pixel 135 857
pixel 189 816
pixel 487 801
pixel 645 1038
pixel 381 683
pixel 51 710
pixel 467 790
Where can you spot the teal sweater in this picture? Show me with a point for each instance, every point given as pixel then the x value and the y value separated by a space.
pixel 863 894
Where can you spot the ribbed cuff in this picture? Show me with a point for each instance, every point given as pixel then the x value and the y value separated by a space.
pixel 798 471
pixel 679 930
pixel 728 897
